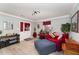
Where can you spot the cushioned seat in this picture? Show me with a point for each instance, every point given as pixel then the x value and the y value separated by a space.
pixel 45 46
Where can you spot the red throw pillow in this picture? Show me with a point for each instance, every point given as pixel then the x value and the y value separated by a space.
pixel 56 34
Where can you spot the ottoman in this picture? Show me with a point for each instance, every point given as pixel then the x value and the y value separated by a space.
pixel 44 46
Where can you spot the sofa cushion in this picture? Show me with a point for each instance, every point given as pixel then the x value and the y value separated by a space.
pixel 48 37
pixel 60 37
pixel 44 42
pixel 52 35
pixel 56 33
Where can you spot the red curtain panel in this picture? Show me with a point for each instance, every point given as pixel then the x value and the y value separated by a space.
pixel 21 26
pixel 47 23
pixel 27 24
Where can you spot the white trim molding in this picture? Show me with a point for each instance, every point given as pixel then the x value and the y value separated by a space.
pixel 7 14
pixel 40 20
pixel 60 17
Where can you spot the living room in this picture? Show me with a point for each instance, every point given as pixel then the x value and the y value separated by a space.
pixel 44 29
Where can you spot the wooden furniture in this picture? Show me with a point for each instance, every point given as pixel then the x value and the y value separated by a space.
pixel 71 47
pixel 9 40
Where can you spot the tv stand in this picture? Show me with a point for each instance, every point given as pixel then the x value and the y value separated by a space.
pixel 9 40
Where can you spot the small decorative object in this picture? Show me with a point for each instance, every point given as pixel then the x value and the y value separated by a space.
pixel 9 34
pixel 0 32
pixel 5 25
pixel 38 26
pixel 12 26
pixel 34 29
pixel 41 31
pixel 75 22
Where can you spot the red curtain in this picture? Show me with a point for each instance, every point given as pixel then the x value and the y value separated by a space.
pixel 47 23
pixel 21 26
pixel 27 24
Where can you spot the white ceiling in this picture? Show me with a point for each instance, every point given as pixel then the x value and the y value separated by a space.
pixel 47 10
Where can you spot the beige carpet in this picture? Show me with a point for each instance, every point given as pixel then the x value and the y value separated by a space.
pixel 23 48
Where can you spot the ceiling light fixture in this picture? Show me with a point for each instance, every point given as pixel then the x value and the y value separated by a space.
pixel 35 12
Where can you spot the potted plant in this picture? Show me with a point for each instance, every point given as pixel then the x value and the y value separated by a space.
pixel 65 28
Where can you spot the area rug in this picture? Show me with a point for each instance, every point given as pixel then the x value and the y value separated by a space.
pixel 28 39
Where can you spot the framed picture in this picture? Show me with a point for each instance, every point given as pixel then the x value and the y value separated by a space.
pixel 75 22
pixel 5 25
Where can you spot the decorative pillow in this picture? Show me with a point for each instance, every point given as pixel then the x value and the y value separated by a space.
pixel 56 34
pixel 52 35
pixel 60 36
